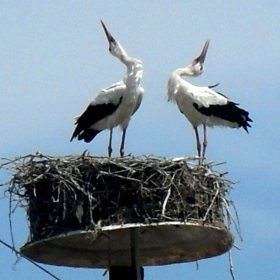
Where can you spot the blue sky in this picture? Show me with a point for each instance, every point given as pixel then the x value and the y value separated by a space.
pixel 54 58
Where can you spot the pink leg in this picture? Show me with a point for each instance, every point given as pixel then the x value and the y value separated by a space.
pixel 204 141
pixel 110 150
pixel 197 142
pixel 122 143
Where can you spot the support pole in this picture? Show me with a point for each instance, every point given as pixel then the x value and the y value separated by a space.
pixel 135 271
pixel 124 273
pixel 135 253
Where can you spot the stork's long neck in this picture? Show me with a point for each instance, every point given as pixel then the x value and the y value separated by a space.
pixel 124 57
pixel 134 72
pixel 184 72
pixel 180 72
pixel 134 68
pixel 176 80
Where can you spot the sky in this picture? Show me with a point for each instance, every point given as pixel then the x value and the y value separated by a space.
pixel 53 60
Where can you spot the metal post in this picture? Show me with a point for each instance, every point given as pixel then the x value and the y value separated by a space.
pixel 135 271
pixel 135 253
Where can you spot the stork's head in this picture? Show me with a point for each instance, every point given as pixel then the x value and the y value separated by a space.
pixel 115 47
pixel 196 68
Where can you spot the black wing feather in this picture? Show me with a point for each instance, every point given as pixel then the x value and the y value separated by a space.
pixel 229 112
pixel 92 115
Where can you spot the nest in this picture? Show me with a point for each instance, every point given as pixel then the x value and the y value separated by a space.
pixel 63 194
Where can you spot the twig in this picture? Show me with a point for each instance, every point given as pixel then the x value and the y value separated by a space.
pixel 238 223
pixel 10 221
pixel 235 246
pixel 19 253
pixel 231 219
pixel 210 206
pixel 231 265
pixel 165 201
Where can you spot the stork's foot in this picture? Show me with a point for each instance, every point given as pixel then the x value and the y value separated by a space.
pixel 110 150
pixel 122 152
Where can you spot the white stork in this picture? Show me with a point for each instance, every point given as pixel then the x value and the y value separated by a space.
pixel 114 105
pixel 202 105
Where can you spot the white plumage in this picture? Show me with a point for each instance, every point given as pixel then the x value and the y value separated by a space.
pixel 202 105
pixel 114 105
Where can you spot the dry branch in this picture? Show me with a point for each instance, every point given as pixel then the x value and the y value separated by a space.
pixel 63 194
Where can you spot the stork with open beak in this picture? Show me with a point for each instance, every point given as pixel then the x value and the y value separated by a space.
pixel 114 105
pixel 202 105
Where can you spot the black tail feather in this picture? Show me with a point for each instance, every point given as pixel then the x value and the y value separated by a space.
pixel 229 112
pixel 88 135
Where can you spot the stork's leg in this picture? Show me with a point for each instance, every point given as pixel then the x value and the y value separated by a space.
pixel 122 143
pixel 110 150
pixel 197 142
pixel 204 141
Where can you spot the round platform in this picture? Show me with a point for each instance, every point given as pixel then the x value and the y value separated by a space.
pixel 160 244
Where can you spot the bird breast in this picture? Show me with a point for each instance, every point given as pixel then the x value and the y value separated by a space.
pixel 134 76
pixel 185 105
pixel 122 114
pixel 125 110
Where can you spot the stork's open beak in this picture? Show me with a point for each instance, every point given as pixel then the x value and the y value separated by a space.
pixel 201 57
pixel 110 38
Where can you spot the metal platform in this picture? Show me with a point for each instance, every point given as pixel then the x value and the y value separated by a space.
pixel 159 244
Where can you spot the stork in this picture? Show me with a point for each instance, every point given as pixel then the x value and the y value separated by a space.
pixel 202 105
pixel 114 105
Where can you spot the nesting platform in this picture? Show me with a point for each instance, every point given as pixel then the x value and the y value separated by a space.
pixel 81 209
pixel 159 244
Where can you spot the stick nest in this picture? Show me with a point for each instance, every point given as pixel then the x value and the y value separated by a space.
pixel 63 194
